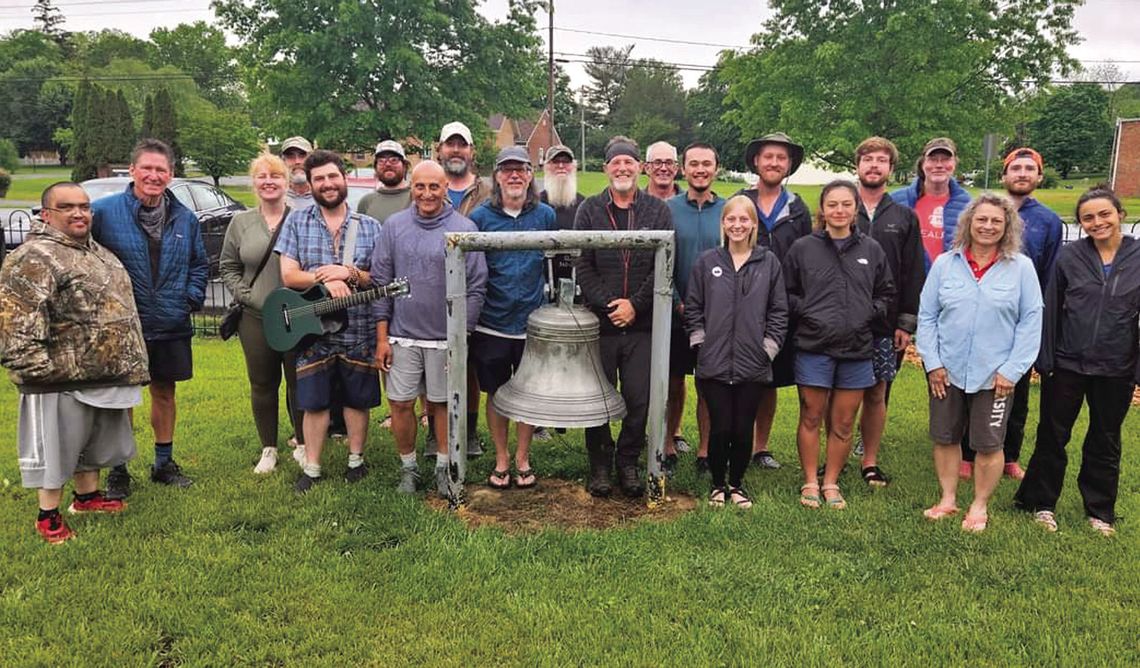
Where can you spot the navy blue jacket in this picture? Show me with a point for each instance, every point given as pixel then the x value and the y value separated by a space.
pixel 164 309
pixel 515 279
pixel 1041 238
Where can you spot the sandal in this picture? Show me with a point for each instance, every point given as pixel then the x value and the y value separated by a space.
pixel 837 502
pixel 740 498
pixel 1046 519
pixel 716 497
pixel 497 475
pixel 521 476
pixel 810 500
pixel 386 423
pixel 874 476
pixel 1104 528
pixel 975 523
pixel 935 513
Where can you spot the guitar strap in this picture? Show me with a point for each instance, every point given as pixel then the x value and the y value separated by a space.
pixel 349 254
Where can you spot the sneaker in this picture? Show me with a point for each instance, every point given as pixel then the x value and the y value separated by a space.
pixel 1103 527
pixel 304 483
pixel 630 481
pixel 170 473
pixel 409 479
pixel 268 461
pixel 356 473
pixel 702 465
pixel 541 435
pixel 765 460
pixel 441 481
pixel 299 454
pixel 53 529
pixel 292 442
pixel 1013 470
pixel 670 465
pixel 966 470
pixel 98 504
pixel 474 446
pixel 1046 519
pixel 118 484
pixel 857 451
pixel 681 444
pixel 338 435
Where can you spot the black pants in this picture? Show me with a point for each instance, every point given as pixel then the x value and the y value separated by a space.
pixel 1061 398
pixel 625 361
pixel 732 411
pixel 1015 428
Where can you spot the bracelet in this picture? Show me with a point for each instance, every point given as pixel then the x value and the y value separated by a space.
pixel 354 277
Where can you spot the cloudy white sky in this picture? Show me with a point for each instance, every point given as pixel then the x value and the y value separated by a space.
pixel 1111 28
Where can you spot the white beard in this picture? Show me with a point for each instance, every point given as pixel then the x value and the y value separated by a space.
pixel 562 190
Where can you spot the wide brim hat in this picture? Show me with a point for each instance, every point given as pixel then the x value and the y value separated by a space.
pixel 795 151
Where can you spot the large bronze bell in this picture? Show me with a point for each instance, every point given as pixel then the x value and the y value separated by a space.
pixel 560 382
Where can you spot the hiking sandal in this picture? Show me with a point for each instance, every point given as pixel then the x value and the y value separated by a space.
pixel 716 497
pixel 810 500
pixel 740 497
pixel 874 476
pixel 837 502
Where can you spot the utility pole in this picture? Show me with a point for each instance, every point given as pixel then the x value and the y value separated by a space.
pixel 550 69
pixel 582 135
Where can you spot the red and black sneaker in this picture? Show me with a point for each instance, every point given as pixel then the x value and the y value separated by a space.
pixel 97 504
pixel 53 529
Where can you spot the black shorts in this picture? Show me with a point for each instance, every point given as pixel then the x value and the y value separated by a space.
pixel 682 358
pixel 784 366
pixel 170 360
pixel 495 358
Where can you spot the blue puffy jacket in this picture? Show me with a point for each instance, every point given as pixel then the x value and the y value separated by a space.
pixel 515 279
pixel 959 200
pixel 164 309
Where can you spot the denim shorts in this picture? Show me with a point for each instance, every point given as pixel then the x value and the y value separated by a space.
pixel 816 370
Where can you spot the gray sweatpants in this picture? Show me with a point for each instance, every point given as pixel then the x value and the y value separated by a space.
pixel 58 436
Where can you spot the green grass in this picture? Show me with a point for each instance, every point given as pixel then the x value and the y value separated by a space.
pixel 238 571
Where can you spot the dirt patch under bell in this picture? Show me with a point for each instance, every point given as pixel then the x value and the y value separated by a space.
pixel 558 503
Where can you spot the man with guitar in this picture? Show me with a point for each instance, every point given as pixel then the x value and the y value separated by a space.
pixel 411 334
pixel 331 245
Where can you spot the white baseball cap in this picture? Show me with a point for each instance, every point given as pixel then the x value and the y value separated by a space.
pixel 455 128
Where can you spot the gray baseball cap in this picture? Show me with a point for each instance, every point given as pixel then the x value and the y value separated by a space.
pixel 557 150
pixel 512 154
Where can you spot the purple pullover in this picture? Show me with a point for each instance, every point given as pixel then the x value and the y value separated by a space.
pixel 412 246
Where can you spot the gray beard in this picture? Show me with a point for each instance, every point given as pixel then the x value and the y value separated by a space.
pixel 561 191
pixel 455 167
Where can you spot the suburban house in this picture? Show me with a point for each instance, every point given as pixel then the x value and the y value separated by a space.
pixel 537 135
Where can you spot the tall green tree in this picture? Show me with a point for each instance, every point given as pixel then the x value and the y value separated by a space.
pixel 84 167
pixel 48 19
pixel 220 142
pixel 99 49
pixel 347 71
pixel 25 121
pixel 652 105
pixel 831 74
pixel 1074 130
pixel 608 68
pixel 165 126
pixel 707 107
pixel 200 50
pixel 123 139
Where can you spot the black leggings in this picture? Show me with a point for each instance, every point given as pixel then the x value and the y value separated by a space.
pixel 732 410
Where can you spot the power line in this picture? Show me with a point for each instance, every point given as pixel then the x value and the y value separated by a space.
pixel 147 3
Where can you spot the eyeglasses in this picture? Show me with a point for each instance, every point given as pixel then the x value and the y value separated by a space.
pixel 657 164
pixel 521 169
pixel 389 160
pixel 69 208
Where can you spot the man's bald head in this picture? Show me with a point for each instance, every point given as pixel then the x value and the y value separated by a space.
pixel 429 188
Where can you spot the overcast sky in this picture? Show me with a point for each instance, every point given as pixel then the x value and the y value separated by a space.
pixel 1111 28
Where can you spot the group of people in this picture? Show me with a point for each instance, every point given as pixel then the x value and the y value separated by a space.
pixel 96 305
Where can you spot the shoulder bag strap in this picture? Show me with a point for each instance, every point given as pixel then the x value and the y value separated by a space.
pixel 269 250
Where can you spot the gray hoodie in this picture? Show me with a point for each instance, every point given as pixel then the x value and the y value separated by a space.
pixel 412 246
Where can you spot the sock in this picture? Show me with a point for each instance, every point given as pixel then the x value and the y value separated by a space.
pixel 441 461
pixel 50 512
pixel 311 470
pixel 86 497
pixel 121 469
pixel 355 460
pixel 472 424
pixel 409 460
pixel 163 452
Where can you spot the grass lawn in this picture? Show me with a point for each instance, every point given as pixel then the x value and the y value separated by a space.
pixel 238 571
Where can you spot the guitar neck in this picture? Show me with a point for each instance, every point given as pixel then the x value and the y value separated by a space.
pixel 355 299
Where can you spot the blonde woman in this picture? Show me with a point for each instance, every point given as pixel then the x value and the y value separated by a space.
pixel 736 313
pixel 247 247
pixel 979 329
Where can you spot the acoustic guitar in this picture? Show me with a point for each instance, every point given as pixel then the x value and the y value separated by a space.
pixel 294 319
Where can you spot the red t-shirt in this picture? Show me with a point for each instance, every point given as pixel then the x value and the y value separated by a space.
pixel 929 211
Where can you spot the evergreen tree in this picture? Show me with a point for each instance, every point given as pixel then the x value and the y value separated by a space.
pixel 85 96
pixel 124 137
pixel 147 129
pixel 165 126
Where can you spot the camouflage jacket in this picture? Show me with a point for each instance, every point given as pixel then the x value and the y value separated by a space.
pixel 67 317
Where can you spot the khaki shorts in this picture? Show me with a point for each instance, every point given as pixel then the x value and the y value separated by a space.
pixel 985 415
pixel 417 371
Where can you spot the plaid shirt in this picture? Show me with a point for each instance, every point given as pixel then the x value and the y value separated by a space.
pixel 305 238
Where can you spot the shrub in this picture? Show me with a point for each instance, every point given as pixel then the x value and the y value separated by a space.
pixel 9 156
pixel 5 181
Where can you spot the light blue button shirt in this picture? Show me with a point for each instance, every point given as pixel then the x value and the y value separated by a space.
pixel 974 328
